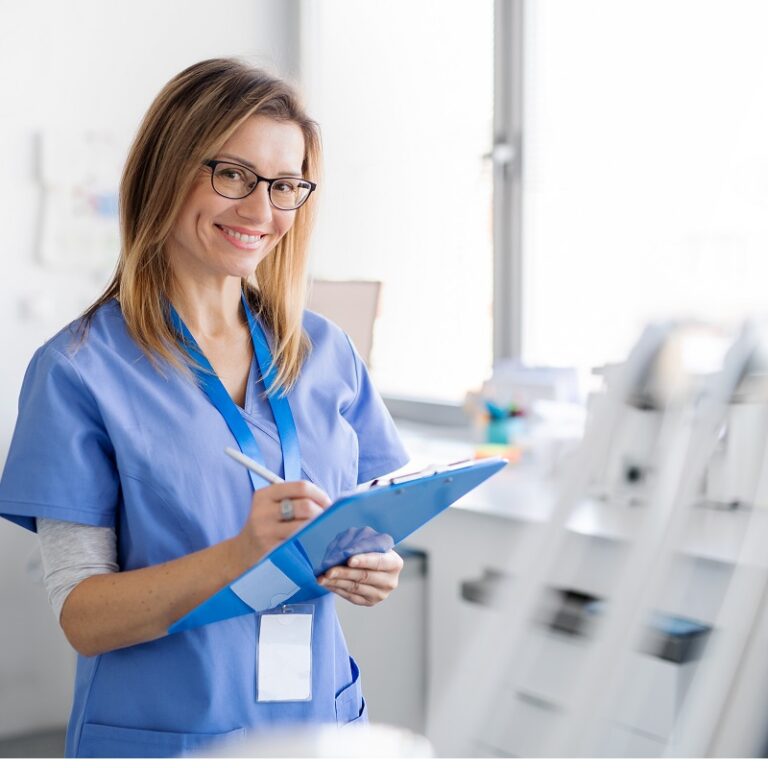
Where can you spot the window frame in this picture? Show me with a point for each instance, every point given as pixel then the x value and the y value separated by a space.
pixel 506 155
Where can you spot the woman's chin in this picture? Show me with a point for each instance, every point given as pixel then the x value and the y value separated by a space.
pixel 244 268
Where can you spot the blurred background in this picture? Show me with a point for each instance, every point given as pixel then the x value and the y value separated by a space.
pixel 525 183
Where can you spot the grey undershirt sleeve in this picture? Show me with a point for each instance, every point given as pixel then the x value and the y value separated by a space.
pixel 72 552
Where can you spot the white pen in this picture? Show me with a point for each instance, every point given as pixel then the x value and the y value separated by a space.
pixel 251 464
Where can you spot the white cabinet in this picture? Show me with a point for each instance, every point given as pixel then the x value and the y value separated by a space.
pixel 461 545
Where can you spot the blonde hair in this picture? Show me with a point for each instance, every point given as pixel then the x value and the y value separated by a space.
pixel 189 120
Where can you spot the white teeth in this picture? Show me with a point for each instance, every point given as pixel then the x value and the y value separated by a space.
pixel 241 237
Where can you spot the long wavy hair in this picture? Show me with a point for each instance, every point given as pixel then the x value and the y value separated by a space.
pixel 188 122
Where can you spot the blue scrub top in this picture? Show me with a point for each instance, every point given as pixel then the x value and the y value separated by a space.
pixel 104 438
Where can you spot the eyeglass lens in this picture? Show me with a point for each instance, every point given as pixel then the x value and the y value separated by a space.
pixel 235 182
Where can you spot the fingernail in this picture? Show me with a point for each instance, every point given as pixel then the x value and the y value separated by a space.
pixel 355 561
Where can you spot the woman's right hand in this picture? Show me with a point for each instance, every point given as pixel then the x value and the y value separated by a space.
pixel 265 528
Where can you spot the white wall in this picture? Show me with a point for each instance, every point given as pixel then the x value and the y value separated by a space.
pixel 80 64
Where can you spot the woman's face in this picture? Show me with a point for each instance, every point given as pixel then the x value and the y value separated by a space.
pixel 202 240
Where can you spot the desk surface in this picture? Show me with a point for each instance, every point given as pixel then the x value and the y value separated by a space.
pixel 526 492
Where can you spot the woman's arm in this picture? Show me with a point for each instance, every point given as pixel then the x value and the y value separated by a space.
pixel 116 610
pixel 72 552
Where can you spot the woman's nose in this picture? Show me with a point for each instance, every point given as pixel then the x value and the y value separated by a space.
pixel 256 206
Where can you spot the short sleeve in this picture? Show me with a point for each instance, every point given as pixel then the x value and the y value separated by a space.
pixel 60 463
pixel 380 448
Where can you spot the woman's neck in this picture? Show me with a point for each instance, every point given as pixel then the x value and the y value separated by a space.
pixel 210 309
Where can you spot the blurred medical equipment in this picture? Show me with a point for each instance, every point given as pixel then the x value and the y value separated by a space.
pixel 523 413
pixel 514 382
pixel 635 663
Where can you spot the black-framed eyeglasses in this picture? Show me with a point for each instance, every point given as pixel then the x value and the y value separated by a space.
pixel 235 181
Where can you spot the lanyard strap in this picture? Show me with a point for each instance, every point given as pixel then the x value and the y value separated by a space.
pixel 278 402
pixel 211 385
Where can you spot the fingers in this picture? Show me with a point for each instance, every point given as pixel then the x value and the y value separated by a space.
pixel 303 509
pixel 366 585
pixel 378 561
pixel 357 599
pixel 284 531
pixel 266 526
pixel 353 581
pixel 365 592
pixel 299 489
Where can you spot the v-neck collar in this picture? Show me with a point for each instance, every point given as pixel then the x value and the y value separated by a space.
pixel 250 384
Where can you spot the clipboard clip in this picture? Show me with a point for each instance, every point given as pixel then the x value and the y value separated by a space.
pixel 429 471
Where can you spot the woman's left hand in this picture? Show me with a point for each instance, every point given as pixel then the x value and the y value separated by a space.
pixel 366 579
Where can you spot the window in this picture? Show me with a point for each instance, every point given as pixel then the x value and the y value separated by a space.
pixel 645 170
pixel 636 190
pixel 403 91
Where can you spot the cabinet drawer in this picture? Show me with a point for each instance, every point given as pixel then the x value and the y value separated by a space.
pixel 648 697
pixel 517 725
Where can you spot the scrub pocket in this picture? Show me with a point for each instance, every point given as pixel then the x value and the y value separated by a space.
pixel 114 741
pixel 350 704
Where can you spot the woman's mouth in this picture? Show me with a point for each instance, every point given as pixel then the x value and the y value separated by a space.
pixel 239 239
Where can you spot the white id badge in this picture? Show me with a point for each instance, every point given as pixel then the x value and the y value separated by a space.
pixel 284 665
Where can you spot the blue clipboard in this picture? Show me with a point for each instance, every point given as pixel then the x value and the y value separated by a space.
pixel 373 520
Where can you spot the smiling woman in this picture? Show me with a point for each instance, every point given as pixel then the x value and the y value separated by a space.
pixel 214 110
pixel 200 343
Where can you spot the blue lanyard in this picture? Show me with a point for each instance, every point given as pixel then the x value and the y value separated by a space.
pixel 211 385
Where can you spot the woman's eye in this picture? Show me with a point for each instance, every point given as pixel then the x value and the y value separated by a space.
pixel 230 174
pixel 284 186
